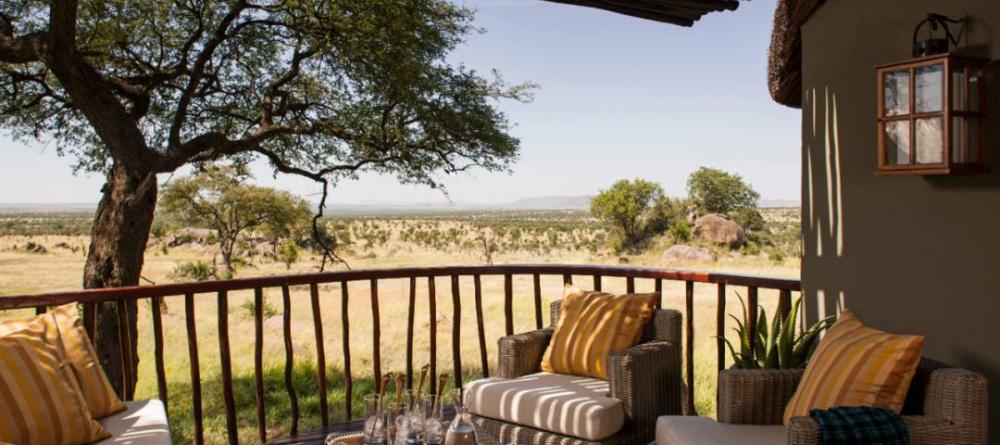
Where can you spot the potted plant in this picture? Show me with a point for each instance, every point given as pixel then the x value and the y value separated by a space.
pixel 767 367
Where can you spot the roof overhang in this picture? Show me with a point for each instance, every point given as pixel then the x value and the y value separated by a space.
pixel 677 12
pixel 784 64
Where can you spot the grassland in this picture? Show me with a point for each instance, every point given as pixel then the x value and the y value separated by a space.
pixel 374 242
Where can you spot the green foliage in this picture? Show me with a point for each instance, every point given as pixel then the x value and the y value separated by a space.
pixel 309 84
pixel 749 218
pixel 715 191
pixel 680 231
pixel 289 253
pixel 219 198
pixel 249 309
pixel 776 346
pixel 195 271
pixel 634 209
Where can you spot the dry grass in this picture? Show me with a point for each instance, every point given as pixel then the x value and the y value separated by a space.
pixel 60 268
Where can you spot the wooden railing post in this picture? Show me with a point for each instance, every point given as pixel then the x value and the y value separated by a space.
pixel 324 409
pixel 752 311
pixel 376 336
pixel 484 360
pixel 125 341
pixel 689 347
pixel 720 327
pixel 538 301
pixel 258 361
pixel 192 338
pixel 456 330
pixel 410 308
pixel 227 370
pixel 286 326
pixel 508 303
pixel 345 321
pixel 161 374
pixel 432 306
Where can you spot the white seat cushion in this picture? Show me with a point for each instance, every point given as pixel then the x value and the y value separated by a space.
pixel 143 422
pixel 564 404
pixel 691 430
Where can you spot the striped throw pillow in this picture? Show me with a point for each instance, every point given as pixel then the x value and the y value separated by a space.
pixel 40 402
pixel 64 324
pixel 855 365
pixel 592 326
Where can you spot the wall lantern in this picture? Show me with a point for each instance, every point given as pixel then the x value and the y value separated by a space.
pixel 931 109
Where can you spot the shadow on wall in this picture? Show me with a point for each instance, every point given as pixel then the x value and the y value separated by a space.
pixel 824 223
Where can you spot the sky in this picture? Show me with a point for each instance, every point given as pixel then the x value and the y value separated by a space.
pixel 619 97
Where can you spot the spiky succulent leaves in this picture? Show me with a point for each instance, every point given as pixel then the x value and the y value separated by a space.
pixel 771 360
pixel 746 355
pixel 786 341
pixel 739 360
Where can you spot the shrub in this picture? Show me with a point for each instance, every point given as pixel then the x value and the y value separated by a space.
pixel 250 309
pixel 680 231
pixel 195 270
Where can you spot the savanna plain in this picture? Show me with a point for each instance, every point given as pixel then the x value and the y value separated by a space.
pixel 43 251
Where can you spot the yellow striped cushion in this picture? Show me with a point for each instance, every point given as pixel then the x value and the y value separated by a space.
pixel 593 325
pixel 856 365
pixel 64 324
pixel 40 402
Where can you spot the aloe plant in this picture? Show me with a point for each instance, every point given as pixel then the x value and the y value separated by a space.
pixel 774 346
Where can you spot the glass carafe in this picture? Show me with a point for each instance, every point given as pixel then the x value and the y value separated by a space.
pixel 461 431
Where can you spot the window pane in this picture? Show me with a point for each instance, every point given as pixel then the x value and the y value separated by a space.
pixel 930 141
pixel 958 89
pixel 897 93
pixel 957 148
pixel 974 92
pixel 897 142
pixel 930 84
pixel 973 141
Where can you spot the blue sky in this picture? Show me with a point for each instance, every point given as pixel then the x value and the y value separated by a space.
pixel 620 97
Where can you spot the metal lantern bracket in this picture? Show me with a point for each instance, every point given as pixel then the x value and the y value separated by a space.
pixel 932 46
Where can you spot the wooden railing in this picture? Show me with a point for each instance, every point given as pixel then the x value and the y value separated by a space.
pixel 222 289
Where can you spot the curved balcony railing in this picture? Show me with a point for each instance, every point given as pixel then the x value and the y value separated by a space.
pixel 593 275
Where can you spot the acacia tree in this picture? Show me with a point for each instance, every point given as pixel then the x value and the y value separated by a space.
pixel 715 191
pixel 220 199
pixel 320 88
pixel 633 209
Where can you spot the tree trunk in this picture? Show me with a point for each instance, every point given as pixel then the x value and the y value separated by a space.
pixel 117 246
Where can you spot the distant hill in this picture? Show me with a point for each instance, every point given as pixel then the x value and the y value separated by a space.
pixel 551 203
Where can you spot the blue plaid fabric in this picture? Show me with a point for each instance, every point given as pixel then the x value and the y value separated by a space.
pixel 860 426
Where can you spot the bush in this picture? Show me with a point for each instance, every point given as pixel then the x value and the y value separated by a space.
pixel 289 253
pixel 680 231
pixel 749 218
pixel 250 309
pixel 195 270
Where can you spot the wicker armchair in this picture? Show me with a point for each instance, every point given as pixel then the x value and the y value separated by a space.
pixel 646 379
pixel 944 404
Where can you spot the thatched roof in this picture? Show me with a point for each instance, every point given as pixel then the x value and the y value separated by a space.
pixel 678 12
pixel 784 64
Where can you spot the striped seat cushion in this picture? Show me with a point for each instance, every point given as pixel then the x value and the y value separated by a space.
pixel 593 325
pixel 40 402
pixel 855 365
pixel 64 323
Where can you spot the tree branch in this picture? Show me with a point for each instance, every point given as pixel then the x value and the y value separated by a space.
pixel 23 49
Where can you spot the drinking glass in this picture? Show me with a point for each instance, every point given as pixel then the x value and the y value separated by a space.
pixel 433 428
pixel 374 427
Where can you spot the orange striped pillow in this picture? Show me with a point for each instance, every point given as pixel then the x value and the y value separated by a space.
pixel 64 326
pixel 855 365
pixel 40 402
pixel 592 326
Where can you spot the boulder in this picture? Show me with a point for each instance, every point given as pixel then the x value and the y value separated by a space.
pixel 683 252
pixel 718 229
